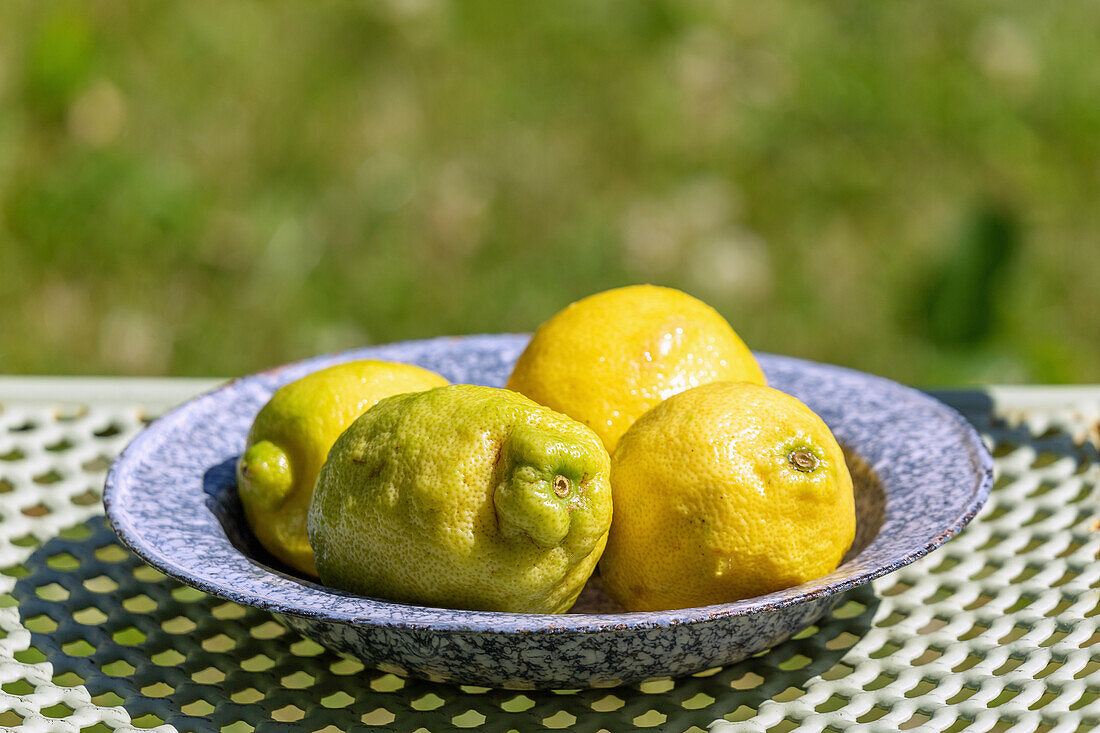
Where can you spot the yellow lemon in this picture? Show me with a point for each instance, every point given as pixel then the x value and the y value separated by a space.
pixel 725 491
pixel 608 358
pixel 291 437
pixel 463 497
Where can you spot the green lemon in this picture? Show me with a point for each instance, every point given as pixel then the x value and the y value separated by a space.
pixel 291 436
pixel 463 497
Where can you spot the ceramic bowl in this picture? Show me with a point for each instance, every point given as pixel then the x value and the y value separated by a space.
pixel 921 473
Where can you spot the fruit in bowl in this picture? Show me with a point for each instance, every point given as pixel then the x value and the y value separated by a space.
pixel 726 491
pixel 172 498
pixel 463 497
pixel 608 358
pixel 479 498
pixel 290 439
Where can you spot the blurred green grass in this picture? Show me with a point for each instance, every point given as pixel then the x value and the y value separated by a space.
pixel 214 187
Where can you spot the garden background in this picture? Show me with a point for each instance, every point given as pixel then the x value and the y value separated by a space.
pixel 210 188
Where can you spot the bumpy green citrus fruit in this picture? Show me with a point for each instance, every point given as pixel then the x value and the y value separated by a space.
pixel 291 436
pixel 463 497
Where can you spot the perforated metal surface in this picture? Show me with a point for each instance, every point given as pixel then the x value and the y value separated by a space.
pixel 995 631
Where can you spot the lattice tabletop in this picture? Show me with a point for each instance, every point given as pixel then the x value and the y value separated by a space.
pixel 996 631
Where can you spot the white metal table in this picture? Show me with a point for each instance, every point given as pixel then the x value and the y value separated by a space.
pixel 996 631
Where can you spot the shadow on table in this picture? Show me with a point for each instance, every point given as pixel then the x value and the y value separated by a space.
pixel 976 405
pixel 1008 433
pixel 169 653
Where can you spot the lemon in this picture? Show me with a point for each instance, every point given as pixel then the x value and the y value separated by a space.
pixel 463 497
pixel 608 358
pixel 725 491
pixel 291 436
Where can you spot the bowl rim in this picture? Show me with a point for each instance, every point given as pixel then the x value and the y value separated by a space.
pixel 458 620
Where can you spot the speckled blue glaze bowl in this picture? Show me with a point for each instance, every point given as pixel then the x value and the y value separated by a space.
pixel 921 473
